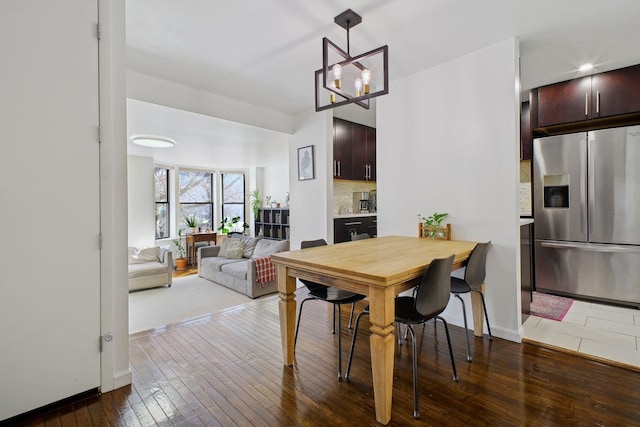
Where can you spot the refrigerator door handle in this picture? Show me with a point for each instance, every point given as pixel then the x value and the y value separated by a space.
pixel 591 174
pixel 583 186
pixel 593 247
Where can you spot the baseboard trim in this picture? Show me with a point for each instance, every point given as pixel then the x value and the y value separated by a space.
pixel 582 355
pixel 122 378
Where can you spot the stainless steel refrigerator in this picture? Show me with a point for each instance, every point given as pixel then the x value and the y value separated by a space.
pixel 587 214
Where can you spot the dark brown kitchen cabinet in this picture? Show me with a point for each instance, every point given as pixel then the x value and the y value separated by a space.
pixel 354 151
pixel 526 138
pixel 342 151
pixel 526 269
pixel 603 95
pixel 363 153
pixel 372 226
pixel 616 92
pixel 564 102
pixel 371 153
pixel 344 228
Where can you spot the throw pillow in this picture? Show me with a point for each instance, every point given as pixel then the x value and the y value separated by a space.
pixel 249 244
pixel 141 256
pixel 223 248
pixel 235 248
pixel 267 247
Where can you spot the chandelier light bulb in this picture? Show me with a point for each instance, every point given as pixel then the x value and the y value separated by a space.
pixel 358 85
pixel 337 74
pixel 366 80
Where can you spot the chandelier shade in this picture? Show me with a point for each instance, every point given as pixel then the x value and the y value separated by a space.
pixel 344 79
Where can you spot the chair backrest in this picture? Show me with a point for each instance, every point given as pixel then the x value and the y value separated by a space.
pixel 432 295
pixel 313 286
pixel 476 269
pixel 360 236
pixel 312 243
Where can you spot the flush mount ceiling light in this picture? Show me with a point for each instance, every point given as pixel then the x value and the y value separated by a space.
pixel 152 141
pixel 585 67
pixel 344 79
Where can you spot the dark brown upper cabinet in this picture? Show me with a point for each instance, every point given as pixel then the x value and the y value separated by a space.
pixel 564 102
pixel 610 95
pixel 354 151
pixel 616 92
pixel 371 153
pixel 364 153
pixel 342 152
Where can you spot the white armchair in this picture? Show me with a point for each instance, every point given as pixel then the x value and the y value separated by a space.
pixel 150 267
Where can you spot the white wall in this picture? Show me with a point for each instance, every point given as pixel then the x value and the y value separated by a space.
pixel 275 181
pixel 447 142
pixel 55 180
pixel 114 293
pixel 162 92
pixel 357 114
pixel 311 203
pixel 140 184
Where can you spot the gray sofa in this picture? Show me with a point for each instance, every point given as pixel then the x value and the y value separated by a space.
pixel 239 274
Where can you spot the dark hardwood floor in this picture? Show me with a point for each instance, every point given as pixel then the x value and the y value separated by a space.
pixel 226 370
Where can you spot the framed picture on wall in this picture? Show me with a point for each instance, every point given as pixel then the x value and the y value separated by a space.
pixel 306 163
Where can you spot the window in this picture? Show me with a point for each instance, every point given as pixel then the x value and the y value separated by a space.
pixel 233 198
pixel 162 202
pixel 196 198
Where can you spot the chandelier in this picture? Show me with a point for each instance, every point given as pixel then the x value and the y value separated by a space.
pixel 344 79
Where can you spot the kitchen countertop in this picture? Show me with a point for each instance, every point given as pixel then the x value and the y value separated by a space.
pixel 353 215
pixel 525 221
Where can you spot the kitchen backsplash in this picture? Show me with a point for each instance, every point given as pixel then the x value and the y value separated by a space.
pixel 525 188
pixel 343 194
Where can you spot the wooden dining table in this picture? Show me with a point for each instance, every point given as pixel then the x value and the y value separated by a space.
pixel 379 268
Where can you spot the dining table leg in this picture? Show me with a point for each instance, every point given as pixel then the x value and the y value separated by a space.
pixel 478 312
pixel 382 342
pixel 287 312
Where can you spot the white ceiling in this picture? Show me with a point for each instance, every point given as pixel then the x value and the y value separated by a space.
pixel 204 140
pixel 264 52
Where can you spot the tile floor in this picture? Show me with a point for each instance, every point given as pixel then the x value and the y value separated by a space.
pixel 604 331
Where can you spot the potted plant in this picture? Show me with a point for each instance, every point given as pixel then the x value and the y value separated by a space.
pixel 192 223
pixel 181 253
pixel 227 225
pixel 255 201
pixel 432 226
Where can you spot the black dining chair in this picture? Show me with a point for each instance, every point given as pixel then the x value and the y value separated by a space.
pixel 360 236
pixel 335 296
pixel 431 298
pixel 474 275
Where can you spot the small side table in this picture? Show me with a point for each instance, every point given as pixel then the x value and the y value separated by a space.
pixel 205 236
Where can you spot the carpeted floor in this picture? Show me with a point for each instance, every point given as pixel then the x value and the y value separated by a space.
pixel 550 306
pixel 188 297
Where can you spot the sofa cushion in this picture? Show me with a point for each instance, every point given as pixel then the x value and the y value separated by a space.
pixel 216 263
pixel 249 244
pixel 237 269
pixel 267 247
pixel 144 255
pixel 235 249
pixel 146 269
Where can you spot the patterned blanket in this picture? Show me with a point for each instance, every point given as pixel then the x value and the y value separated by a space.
pixel 266 271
